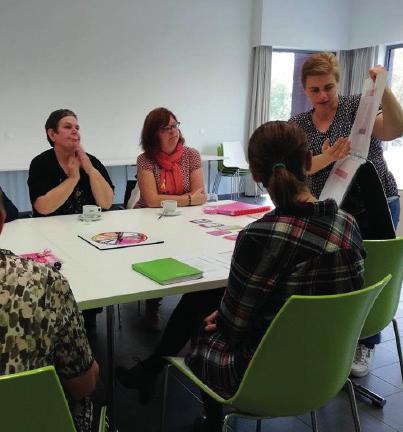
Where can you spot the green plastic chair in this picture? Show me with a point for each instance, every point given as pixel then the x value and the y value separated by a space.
pixel 383 257
pixel 322 332
pixel 229 168
pixel 34 401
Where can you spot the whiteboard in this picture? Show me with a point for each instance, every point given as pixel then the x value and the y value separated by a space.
pixel 112 62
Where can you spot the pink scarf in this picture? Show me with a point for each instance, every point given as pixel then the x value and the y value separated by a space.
pixel 171 182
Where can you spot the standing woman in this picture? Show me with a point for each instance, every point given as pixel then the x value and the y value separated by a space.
pixel 167 170
pixel 328 125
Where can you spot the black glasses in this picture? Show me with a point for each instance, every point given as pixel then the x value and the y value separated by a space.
pixel 170 127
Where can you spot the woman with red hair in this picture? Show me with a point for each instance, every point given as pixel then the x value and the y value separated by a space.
pixel 167 170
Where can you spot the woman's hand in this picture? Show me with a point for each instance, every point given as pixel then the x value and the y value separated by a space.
pixel 84 160
pixel 73 168
pixel 198 197
pixel 210 322
pixel 339 150
pixel 374 71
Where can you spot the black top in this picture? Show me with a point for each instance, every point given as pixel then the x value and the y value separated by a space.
pixel 341 127
pixel 45 173
pixel 11 209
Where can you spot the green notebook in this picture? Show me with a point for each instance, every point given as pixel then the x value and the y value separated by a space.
pixel 167 271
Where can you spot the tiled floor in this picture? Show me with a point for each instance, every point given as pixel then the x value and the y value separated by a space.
pixel 134 340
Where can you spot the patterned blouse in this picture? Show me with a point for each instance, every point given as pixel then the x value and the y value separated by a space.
pixel 341 127
pixel 190 162
pixel 314 249
pixel 40 325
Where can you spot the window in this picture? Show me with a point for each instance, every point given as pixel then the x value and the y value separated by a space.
pixel 287 97
pixel 394 149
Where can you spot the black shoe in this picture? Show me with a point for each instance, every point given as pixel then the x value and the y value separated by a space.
pixel 139 378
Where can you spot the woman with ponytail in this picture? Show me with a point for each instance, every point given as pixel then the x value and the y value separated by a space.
pixel 277 256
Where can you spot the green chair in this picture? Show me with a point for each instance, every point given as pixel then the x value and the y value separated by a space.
pixel 383 257
pixel 34 401
pixel 234 166
pixel 322 332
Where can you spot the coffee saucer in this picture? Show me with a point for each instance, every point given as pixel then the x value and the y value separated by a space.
pixel 175 213
pixel 94 219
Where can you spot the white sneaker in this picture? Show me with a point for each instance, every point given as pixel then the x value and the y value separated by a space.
pixel 362 360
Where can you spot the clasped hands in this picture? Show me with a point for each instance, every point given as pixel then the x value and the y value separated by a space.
pixel 80 159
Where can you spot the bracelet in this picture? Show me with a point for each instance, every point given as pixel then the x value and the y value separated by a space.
pixel 189 200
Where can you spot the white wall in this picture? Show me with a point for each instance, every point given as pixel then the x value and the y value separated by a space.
pixel 376 22
pixel 313 24
pixel 112 62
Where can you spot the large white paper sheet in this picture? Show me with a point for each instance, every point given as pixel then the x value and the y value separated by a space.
pixel 344 170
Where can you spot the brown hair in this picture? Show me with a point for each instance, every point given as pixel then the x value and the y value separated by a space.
pixel 53 121
pixel 277 153
pixel 155 119
pixel 322 63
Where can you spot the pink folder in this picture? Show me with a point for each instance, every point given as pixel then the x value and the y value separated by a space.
pixel 237 208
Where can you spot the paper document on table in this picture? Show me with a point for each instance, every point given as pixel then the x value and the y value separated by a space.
pixel 211 265
pixel 360 136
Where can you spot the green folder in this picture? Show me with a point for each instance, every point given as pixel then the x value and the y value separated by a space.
pixel 167 271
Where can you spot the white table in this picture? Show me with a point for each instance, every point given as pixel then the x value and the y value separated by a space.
pixel 105 278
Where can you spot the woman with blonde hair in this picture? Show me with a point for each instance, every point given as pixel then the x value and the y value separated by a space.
pixel 328 125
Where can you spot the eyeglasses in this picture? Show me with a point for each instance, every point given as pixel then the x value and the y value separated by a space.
pixel 170 127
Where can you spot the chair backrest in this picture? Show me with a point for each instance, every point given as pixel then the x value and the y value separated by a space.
pixel 366 201
pixel 305 357
pixel 34 401
pixel 133 195
pixel 383 257
pixel 234 154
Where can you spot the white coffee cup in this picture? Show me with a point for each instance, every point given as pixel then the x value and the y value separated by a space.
pixel 169 206
pixel 91 212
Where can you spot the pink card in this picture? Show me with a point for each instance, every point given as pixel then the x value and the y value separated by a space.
pixel 219 232
pixel 231 237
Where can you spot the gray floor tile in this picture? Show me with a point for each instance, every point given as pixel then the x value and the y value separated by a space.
pixel 133 339
pixel 391 374
pixel 377 384
pixel 384 357
pixel 392 413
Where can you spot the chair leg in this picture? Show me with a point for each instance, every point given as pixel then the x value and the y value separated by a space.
pixel 314 421
pixel 225 422
pixel 353 405
pixel 138 308
pixel 258 425
pixel 164 399
pixel 398 345
pixel 217 181
pixel 119 317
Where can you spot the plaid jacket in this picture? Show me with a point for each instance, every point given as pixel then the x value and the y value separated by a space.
pixel 313 249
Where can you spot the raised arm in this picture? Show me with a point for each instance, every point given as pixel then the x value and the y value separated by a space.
pixel 102 191
pixel 56 197
pixel 339 150
pixel 389 124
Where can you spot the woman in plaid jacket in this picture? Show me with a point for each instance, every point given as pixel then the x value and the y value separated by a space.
pixel 304 246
